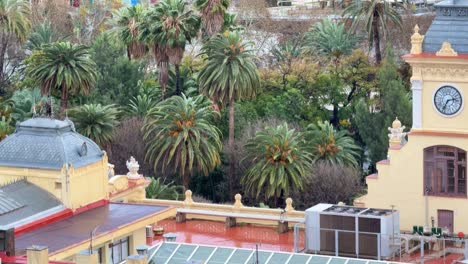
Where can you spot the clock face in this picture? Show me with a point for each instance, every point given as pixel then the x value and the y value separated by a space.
pixel 448 100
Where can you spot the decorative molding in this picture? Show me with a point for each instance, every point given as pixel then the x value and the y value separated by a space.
pixel 118 184
pixel 416 41
pixel 440 72
pixel 447 50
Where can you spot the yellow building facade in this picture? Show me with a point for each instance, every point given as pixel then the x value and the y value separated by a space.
pixel 425 178
pixel 56 188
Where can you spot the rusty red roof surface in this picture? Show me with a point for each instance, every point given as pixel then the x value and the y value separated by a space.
pixel 216 234
pixel 76 229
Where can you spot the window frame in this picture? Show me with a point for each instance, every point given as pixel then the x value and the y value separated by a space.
pixel 119 243
pixel 436 157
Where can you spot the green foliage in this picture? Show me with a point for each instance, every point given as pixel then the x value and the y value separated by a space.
pixel 141 105
pixel 280 159
pixel 43 34
pixel 171 24
pixel 118 77
pixel 181 138
pixel 376 15
pixel 330 39
pixel 188 84
pixel 167 28
pixel 373 120
pixel 64 67
pixel 332 146
pixel 26 101
pixel 95 121
pixel 15 18
pixel 160 190
pixel 125 28
pixel 5 127
pixel 230 72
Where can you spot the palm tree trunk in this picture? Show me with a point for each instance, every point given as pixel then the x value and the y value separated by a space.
pixel 177 74
pixel 232 158
pixel 64 100
pixel 3 48
pixel 185 182
pixel 129 55
pixel 376 37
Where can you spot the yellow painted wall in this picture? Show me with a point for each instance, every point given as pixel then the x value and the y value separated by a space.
pixel 433 120
pixel 46 179
pixel 400 182
pixel 85 185
pixel 88 184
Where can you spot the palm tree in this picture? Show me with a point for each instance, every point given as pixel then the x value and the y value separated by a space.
pixel 43 34
pixel 330 39
pixel 229 74
pixel 180 137
pixel 160 190
pixel 126 24
pixel 169 26
pixel 212 15
pixel 280 160
pixel 376 16
pixel 64 67
pixel 15 24
pixel 139 106
pixel 96 122
pixel 330 145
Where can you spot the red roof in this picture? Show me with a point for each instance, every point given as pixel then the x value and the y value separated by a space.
pixel 217 234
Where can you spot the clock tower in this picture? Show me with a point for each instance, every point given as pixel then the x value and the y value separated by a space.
pixel 426 178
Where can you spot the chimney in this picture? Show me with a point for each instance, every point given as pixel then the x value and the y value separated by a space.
pixel 87 257
pixel 37 255
pixel 137 259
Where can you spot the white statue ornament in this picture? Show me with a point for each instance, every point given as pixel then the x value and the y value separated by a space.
pixel 396 134
pixel 133 167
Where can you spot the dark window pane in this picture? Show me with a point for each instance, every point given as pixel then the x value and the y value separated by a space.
pixel 461 179
pixel 445 171
pixel 450 176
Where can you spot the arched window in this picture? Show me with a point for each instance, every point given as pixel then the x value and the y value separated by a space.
pixel 445 171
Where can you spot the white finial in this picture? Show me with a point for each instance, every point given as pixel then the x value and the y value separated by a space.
pixel 133 167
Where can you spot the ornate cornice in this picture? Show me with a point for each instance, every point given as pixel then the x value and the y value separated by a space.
pixel 458 73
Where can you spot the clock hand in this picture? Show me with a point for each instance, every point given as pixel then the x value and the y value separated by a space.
pixel 446 102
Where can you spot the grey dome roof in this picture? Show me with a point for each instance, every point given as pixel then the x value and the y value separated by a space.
pixel 451 25
pixel 47 144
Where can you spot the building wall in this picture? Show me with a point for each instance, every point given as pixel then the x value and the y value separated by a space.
pixel 85 185
pixel 400 183
pixel 48 180
pixel 400 180
pixel 88 184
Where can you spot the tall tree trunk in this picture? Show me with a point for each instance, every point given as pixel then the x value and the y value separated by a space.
pixel 185 182
pixel 163 78
pixel 64 100
pixel 334 120
pixel 232 158
pixel 129 54
pixel 376 37
pixel 177 75
pixel 3 48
